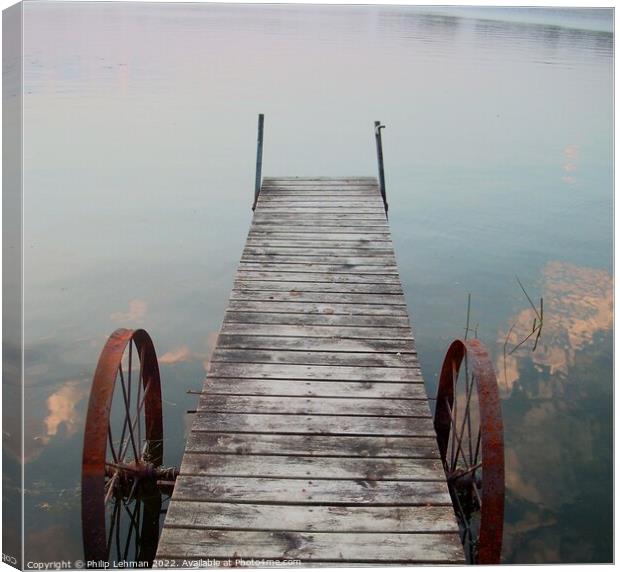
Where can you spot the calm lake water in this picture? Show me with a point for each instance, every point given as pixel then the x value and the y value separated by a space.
pixel 139 128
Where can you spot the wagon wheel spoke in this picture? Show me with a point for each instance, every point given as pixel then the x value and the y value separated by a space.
pixel 127 421
pixel 466 418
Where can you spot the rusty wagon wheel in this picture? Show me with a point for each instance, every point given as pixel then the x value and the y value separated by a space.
pixel 122 477
pixel 468 423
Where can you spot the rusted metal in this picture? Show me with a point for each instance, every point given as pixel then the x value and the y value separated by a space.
pixel 128 472
pixel 379 144
pixel 474 468
pixel 259 159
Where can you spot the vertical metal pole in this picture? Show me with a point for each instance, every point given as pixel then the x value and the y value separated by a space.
pixel 378 128
pixel 259 159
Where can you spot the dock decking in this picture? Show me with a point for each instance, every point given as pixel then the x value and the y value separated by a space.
pixel 313 439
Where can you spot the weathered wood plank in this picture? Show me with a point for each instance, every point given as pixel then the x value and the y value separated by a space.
pixel 327 196
pixel 296 467
pixel 299 295
pixel 233 316
pixel 361 221
pixel 359 245
pixel 366 359
pixel 302 518
pixel 310 231
pixel 317 277
pixel 313 406
pixel 312 492
pixel 314 388
pixel 325 258
pixel 351 204
pixel 308 331
pixel 312 445
pixel 323 287
pixel 315 267
pixel 305 343
pixel 349 547
pixel 333 372
pixel 317 308
pixel 313 424
pixel 306 251
pixel 300 226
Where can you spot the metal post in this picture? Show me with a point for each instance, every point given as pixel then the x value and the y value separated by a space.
pixel 259 159
pixel 378 128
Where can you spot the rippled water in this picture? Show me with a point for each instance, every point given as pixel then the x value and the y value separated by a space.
pixel 139 126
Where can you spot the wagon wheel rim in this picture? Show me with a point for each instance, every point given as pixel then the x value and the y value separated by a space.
pixel 120 503
pixel 468 423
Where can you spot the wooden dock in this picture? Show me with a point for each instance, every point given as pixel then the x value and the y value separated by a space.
pixel 313 439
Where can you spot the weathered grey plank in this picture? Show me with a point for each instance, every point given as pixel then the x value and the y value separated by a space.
pixel 312 492
pixel 314 424
pixel 306 343
pixel 315 319
pixel 309 231
pixel 317 308
pixel 292 250
pixel 323 197
pixel 318 277
pixel 366 359
pixel 333 372
pixel 359 218
pixel 313 405
pixel 339 287
pixel 308 331
pixel 350 547
pixel 312 445
pixel 298 295
pixel 303 518
pixel 296 244
pixel 309 260
pixel 296 467
pixel 369 228
pixel 351 204
pixel 292 387
pixel 315 267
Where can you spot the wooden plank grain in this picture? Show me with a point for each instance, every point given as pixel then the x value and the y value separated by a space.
pixel 303 518
pixel 307 331
pixel 330 308
pixel 319 358
pixel 318 372
pixel 306 343
pixel 314 388
pixel 346 547
pixel 297 294
pixel 347 492
pixel 245 283
pixel 295 466
pixel 312 445
pixel 313 406
pixel 313 424
pixel 302 319
pixel 310 276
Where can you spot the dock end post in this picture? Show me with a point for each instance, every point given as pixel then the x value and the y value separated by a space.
pixel 259 159
pixel 379 143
